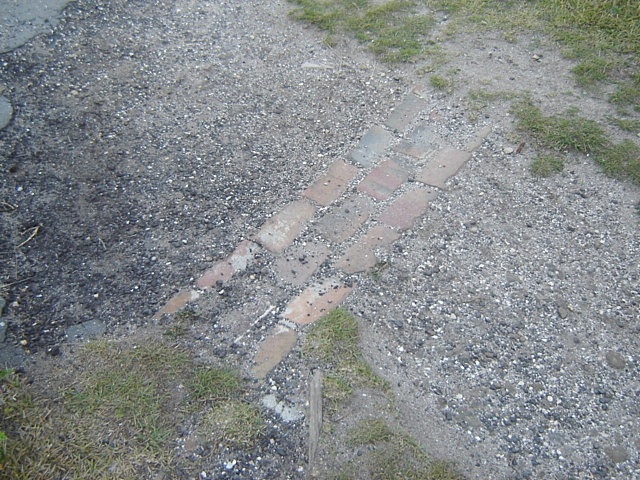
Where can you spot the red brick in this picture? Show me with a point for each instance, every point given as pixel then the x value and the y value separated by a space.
pixel 384 180
pixel 443 166
pixel 178 302
pixel 222 271
pixel 281 230
pixel 273 350
pixel 345 219
pixel 316 301
pixel 360 257
pixel 331 186
pixel 403 212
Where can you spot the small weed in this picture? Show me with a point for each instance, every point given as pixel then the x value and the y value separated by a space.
pixel 440 83
pixel 628 93
pixel 547 165
pixel 378 268
pixel 370 432
pixel 592 71
pixel 175 331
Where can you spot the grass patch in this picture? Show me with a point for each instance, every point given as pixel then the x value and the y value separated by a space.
pixel 570 132
pixel 215 384
pixel 626 124
pixel 628 93
pixel 560 132
pixel 114 414
pixel 394 30
pixel 547 165
pixel 621 161
pixel 392 455
pixel 333 342
pixel 233 424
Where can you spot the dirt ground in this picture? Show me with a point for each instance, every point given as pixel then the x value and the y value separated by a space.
pixel 149 137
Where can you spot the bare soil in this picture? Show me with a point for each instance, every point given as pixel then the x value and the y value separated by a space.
pixel 149 138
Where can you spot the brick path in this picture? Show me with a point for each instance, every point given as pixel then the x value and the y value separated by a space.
pixel 396 169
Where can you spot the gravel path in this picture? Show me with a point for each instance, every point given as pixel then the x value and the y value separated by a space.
pixel 149 139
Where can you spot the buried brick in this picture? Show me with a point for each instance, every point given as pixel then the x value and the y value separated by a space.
pixel 443 166
pixel 178 302
pixel 273 349
pixel 371 146
pixel 404 113
pixel 330 187
pixel 384 180
pixel 315 301
pixel 360 257
pixel 281 230
pixel 407 208
pixel 222 271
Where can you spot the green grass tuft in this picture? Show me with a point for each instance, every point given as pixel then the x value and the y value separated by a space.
pixel 570 132
pixel 215 384
pixel 233 424
pixel 547 165
pixel 394 30
pixel 560 132
pixel 333 341
pixel 621 161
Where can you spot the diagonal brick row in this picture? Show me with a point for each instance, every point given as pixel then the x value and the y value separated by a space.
pixel 383 204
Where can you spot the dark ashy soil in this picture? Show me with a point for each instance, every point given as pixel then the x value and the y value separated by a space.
pixel 149 138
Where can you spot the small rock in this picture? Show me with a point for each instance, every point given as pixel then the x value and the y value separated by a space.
pixel 86 330
pixel 615 360
pixel 6 112
pixel 508 150
pixel 563 311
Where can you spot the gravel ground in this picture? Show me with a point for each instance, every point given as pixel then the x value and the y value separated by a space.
pixel 149 137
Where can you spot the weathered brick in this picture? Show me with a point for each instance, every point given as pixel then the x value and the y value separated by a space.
pixel 345 219
pixel 315 301
pixel 371 146
pixel 178 302
pixel 384 180
pixel 443 166
pixel 272 350
pixel 299 262
pixel 332 185
pixel 280 230
pixel 477 140
pixel 222 271
pixel 404 113
pixel 360 257
pixel 403 211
